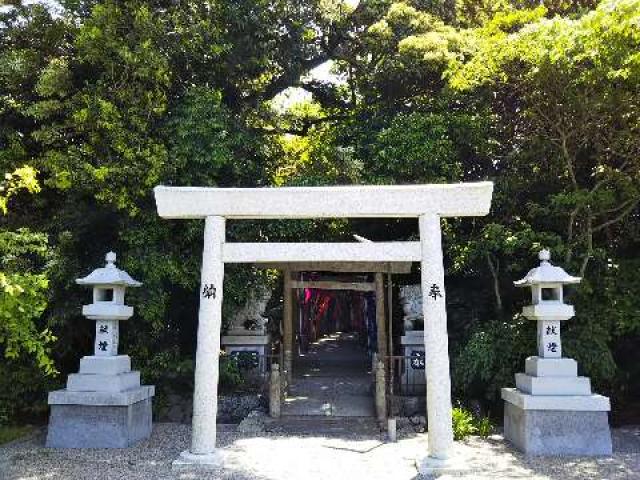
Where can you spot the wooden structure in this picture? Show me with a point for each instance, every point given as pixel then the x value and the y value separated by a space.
pixel 290 272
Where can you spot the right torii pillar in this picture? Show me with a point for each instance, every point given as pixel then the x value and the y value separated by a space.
pixel 436 345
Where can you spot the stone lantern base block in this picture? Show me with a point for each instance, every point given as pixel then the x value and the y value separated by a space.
pixel 558 432
pixel 572 386
pixel 80 382
pixel 99 419
pixel 112 365
pixel 551 367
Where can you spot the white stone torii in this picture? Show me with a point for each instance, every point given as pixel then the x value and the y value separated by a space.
pixel 428 203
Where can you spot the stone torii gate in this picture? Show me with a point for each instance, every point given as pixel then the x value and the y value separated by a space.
pixel 428 203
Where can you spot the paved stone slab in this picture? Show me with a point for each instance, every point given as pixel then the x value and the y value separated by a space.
pixel 325 426
pixel 311 386
pixel 353 406
pixel 332 379
pixel 307 406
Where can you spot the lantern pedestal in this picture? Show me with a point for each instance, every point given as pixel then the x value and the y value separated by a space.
pixel 103 406
pixel 99 419
pixel 557 424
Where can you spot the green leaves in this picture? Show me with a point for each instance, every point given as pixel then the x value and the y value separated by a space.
pixel 417 147
pixel 23 298
pixel 23 178
pixel 22 301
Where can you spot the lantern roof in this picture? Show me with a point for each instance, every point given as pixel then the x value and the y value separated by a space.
pixel 109 275
pixel 546 273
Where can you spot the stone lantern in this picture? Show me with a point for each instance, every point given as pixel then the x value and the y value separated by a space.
pixel 548 308
pixel 108 308
pixel 104 404
pixel 552 410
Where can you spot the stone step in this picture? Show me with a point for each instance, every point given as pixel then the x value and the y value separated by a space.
pixel 80 382
pixel 325 426
pixel 105 365
pixel 551 367
pixel 553 385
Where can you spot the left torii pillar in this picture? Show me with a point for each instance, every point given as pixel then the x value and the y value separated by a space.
pixel 205 394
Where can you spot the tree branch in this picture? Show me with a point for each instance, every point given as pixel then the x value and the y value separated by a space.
pixel 589 252
pixel 306 124
pixel 496 284
pixel 572 219
pixel 291 77
pixel 620 216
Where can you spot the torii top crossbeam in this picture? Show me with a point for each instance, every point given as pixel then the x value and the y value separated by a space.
pixel 371 201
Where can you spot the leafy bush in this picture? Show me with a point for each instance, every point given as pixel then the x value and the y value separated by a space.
pixel 489 359
pixel 484 427
pixel 23 390
pixel 463 423
pixel 230 373
pixel 25 339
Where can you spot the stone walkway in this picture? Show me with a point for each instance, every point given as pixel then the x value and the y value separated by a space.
pixel 349 454
pixel 333 379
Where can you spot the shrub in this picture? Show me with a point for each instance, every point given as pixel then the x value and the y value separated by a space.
pixel 463 423
pixel 230 374
pixel 484 427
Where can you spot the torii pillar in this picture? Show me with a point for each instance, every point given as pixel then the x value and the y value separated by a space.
pixel 205 393
pixel 436 347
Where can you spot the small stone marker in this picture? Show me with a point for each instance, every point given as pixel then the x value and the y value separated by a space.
pixel 552 410
pixel 104 405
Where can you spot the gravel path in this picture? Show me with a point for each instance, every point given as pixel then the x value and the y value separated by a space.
pixel 273 456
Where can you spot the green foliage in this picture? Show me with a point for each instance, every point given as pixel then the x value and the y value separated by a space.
pixel 22 284
pixel 493 353
pixel 415 144
pixel 463 424
pixel 231 376
pixel 23 178
pixel 484 427
pixel 563 90
pixel 207 145
pixel 24 342
pixel 10 433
